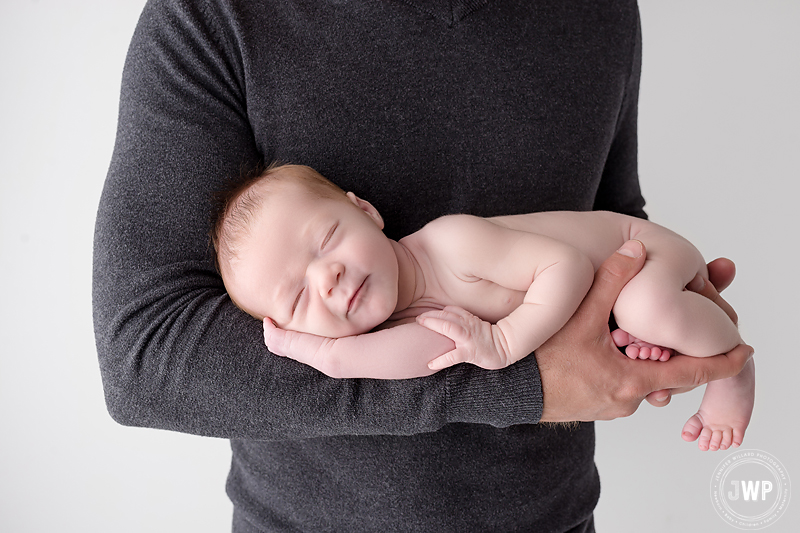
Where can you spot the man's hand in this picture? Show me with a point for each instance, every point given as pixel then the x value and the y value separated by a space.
pixel 585 377
pixel 721 272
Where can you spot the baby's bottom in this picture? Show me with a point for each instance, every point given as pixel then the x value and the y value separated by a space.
pixel 655 307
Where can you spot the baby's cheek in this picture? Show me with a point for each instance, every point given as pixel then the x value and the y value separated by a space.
pixel 372 319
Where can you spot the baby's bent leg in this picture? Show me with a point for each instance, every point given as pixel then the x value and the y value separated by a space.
pixel 724 413
pixel 655 307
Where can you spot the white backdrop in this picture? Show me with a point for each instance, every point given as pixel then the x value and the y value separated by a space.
pixel 719 140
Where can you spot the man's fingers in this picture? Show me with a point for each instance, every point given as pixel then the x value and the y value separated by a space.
pixel 704 288
pixel 659 398
pixel 721 272
pixel 685 371
pixel 611 277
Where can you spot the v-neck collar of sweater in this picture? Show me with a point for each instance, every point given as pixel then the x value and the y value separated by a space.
pixel 449 11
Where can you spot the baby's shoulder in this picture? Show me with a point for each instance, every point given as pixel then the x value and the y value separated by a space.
pixel 457 235
pixel 451 228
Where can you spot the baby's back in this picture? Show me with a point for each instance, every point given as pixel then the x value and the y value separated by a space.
pixel 596 233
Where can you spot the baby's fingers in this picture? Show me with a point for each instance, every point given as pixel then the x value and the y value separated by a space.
pixel 274 337
pixel 444 323
pixel 302 347
pixel 452 313
pixel 447 360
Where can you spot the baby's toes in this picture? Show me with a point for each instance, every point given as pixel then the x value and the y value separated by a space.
pixel 738 437
pixel 644 352
pixel 727 439
pixel 621 338
pixel 692 429
pixel 632 351
pixel 716 438
pixel 655 353
pixel 705 439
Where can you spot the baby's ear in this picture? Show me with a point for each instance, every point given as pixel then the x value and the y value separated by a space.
pixel 368 208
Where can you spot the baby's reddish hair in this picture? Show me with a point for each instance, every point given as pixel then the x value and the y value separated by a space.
pixel 237 205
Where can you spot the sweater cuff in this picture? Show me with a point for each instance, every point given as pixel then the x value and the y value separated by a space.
pixel 512 395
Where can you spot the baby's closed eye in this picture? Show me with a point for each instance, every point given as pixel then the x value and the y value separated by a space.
pixel 329 236
pixel 297 300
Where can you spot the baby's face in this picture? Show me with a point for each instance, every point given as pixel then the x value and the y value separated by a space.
pixel 315 265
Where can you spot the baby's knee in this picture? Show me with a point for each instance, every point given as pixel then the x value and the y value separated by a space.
pixel 651 312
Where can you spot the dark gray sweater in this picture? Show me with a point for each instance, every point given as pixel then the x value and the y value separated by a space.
pixel 424 107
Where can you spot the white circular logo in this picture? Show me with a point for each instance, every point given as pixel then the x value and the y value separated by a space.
pixel 750 489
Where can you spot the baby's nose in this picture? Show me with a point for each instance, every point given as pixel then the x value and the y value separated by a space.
pixel 331 278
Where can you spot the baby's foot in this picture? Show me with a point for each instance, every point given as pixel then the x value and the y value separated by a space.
pixel 639 349
pixel 724 413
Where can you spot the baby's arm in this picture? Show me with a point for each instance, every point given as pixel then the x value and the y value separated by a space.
pixel 397 352
pixel 554 276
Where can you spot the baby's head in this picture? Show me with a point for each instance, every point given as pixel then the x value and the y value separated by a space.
pixel 292 246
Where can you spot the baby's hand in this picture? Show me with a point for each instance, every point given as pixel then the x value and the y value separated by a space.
pixel 477 341
pixel 305 348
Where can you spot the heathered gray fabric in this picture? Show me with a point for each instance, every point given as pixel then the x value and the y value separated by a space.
pixel 423 107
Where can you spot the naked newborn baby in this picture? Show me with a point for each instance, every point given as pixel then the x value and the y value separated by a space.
pixel 300 254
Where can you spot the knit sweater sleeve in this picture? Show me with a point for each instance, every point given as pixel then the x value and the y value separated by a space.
pixel 174 352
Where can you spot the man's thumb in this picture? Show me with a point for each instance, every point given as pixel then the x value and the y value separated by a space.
pixel 612 276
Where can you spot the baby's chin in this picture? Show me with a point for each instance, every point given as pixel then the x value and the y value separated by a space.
pixel 373 323
pixel 364 324
pixel 362 329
